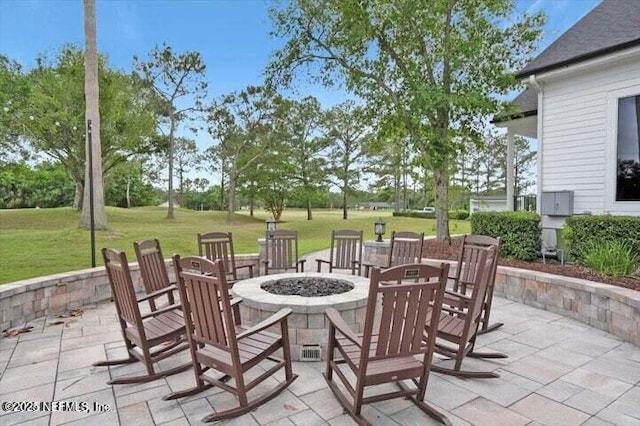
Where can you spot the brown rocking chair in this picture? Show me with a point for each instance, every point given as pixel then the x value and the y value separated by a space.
pixel 460 320
pixel 219 245
pixel 405 247
pixel 281 250
pixel 393 348
pixel 153 271
pixel 465 273
pixel 217 342
pixel 346 251
pixel 148 338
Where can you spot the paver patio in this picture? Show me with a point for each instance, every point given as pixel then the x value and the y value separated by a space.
pixel 559 372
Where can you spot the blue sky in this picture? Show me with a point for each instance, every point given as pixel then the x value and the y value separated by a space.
pixel 232 36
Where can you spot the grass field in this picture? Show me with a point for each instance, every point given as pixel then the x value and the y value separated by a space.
pixel 46 241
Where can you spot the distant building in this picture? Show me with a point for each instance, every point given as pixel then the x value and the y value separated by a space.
pixel 487 203
pixel 375 205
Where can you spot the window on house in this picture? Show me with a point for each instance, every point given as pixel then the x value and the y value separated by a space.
pixel 628 149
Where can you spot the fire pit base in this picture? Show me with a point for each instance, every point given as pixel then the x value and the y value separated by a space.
pixel 307 323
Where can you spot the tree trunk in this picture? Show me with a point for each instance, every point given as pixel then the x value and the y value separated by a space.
pixel 252 203
pixel 170 214
pixel 128 195
pixel 92 113
pixel 77 198
pixel 309 214
pixel 441 180
pixel 232 191
pixel 344 202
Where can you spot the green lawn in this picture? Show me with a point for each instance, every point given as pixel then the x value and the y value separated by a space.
pixel 46 241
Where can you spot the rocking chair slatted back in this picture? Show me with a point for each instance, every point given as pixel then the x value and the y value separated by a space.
pixel 282 250
pixel 346 246
pixel 218 245
pixel 210 308
pixel 152 268
pixel 405 306
pixel 122 287
pixel 405 247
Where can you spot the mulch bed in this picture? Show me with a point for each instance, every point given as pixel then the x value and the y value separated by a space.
pixel 435 249
pixel 307 287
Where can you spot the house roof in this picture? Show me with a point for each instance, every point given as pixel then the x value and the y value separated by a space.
pixel 611 26
pixel 526 104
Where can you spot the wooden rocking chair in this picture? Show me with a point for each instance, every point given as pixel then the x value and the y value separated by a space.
pixel 196 265
pixel 219 245
pixel 468 266
pixel 346 251
pixel 460 320
pixel 154 272
pixel 217 342
pixel 405 247
pixel 392 348
pixel 148 338
pixel 281 251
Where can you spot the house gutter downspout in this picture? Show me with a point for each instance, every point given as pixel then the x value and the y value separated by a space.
pixel 533 82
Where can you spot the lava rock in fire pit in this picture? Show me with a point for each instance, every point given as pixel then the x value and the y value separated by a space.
pixel 307 287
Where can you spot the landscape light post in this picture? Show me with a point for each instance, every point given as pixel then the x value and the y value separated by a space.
pixel 379 228
pixel 92 224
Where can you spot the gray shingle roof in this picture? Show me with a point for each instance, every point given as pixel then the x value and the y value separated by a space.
pixel 612 25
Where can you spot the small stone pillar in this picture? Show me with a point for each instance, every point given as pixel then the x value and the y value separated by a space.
pixel 376 253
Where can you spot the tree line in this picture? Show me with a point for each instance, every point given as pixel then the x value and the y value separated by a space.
pixel 424 77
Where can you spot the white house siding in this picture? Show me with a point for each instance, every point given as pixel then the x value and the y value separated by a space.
pixel 574 141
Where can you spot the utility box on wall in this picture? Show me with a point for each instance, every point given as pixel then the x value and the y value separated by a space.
pixel 557 203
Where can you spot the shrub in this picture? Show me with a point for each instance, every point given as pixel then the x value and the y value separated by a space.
pixel 610 257
pixel 581 231
pixel 520 232
pixel 459 214
pixel 423 215
pixel 454 215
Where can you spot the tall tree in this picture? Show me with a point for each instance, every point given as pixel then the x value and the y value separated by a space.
pixel 186 158
pixel 432 67
pixel 179 82
pixel 346 127
pixel 13 96
pixel 52 116
pixel 242 124
pixel 93 165
pixel 304 148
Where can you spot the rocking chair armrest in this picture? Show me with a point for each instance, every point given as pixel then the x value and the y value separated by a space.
pixel 339 324
pixel 450 295
pixel 272 320
pixel 162 310
pixel 453 310
pixel 250 266
pixel 367 268
pixel 321 261
pixel 158 293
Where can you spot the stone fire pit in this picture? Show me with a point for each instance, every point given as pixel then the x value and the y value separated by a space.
pixel 307 324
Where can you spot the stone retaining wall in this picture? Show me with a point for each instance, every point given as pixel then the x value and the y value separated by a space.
pixel 23 301
pixel 603 306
